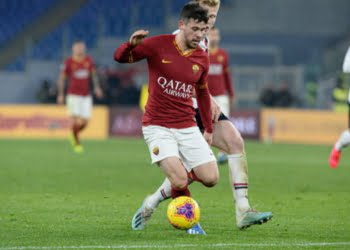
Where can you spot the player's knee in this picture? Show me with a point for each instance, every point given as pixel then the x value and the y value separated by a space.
pixel 80 121
pixel 211 180
pixel 234 143
pixel 180 182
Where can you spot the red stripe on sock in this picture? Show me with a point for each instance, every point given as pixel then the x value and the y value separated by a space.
pixel 240 184
pixel 162 192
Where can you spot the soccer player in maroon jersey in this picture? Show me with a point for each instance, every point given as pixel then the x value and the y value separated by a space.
pixel 227 138
pixel 177 66
pixel 219 78
pixel 79 69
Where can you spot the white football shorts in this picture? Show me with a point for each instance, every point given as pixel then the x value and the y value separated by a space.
pixel 188 144
pixel 79 106
pixel 224 103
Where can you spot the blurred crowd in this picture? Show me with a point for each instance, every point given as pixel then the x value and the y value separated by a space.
pixel 280 96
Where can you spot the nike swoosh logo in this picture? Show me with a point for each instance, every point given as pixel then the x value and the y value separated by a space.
pixel 166 61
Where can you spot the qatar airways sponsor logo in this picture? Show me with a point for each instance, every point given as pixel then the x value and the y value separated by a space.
pixel 81 74
pixel 215 69
pixel 175 88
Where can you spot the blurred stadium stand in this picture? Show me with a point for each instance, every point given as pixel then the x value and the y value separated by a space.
pixel 272 35
pixel 15 14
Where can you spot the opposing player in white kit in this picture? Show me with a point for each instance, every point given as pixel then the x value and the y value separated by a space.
pixel 344 139
pixel 227 138
pixel 79 69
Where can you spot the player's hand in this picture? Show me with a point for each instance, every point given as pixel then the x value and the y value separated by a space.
pixel 208 137
pixel 215 110
pixel 137 37
pixel 98 92
pixel 60 99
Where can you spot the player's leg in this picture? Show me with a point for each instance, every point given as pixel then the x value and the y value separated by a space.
pixel 227 138
pixel 161 146
pixel 164 190
pixel 85 107
pixel 74 136
pixel 177 176
pixel 197 156
pixel 224 102
pixel 79 111
pixel 150 203
pixel 342 142
pixel 199 160
pixel 78 125
pixel 207 174
pixel 84 112
pixel 73 111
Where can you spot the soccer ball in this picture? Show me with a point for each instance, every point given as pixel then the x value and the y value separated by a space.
pixel 183 212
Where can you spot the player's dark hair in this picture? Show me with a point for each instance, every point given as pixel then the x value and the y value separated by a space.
pixel 193 10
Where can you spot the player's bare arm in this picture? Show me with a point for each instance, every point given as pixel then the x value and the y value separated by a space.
pixel 60 87
pixel 97 88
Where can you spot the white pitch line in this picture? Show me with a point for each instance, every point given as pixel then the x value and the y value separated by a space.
pixel 216 245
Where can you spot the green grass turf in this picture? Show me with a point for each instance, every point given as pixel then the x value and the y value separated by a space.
pixel 51 197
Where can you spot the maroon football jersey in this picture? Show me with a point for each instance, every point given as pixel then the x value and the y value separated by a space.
pixel 79 75
pixel 219 76
pixel 173 76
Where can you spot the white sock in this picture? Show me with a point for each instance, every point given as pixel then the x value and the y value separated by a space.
pixel 238 169
pixel 343 141
pixel 162 193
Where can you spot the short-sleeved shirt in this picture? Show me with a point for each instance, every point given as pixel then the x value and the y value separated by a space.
pixel 172 79
pixel 219 75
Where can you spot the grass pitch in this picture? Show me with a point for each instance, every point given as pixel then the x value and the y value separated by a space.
pixel 52 198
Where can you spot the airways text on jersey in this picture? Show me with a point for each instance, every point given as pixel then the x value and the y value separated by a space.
pixel 175 88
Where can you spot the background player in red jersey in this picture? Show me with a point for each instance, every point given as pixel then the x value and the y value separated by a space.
pixel 220 84
pixel 227 138
pixel 219 78
pixel 177 66
pixel 79 69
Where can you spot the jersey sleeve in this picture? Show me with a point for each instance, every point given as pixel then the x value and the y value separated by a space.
pixel 203 99
pixel 126 53
pixel 346 63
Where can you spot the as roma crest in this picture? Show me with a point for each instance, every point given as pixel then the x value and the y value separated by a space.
pixel 155 150
pixel 195 68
